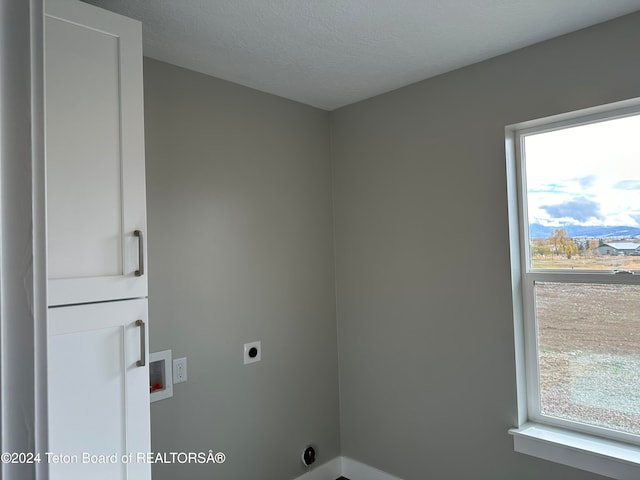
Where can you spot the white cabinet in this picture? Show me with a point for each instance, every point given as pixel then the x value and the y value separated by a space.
pixel 97 318
pixel 98 390
pixel 95 154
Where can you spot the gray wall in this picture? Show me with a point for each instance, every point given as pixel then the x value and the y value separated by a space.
pixel 23 279
pixel 240 249
pixel 427 376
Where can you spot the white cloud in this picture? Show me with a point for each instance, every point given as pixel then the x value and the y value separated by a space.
pixel 585 175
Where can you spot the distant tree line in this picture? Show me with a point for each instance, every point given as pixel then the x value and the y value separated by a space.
pixel 560 244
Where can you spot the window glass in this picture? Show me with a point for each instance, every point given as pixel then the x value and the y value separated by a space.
pixel 589 353
pixel 583 196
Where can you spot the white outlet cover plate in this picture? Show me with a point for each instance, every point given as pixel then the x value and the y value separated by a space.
pixel 180 370
pixel 248 347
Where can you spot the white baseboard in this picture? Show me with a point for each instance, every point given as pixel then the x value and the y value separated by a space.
pixel 327 471
pixel 354 470
pixel 343 466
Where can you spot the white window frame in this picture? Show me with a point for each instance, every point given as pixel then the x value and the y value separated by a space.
pixel 596 449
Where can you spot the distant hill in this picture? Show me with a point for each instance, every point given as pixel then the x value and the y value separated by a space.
pixel 578 231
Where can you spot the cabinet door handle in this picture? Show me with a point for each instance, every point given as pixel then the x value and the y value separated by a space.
pixel 142 362
pixel 140 271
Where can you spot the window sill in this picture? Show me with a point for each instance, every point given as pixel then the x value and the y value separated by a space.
pixel 597 455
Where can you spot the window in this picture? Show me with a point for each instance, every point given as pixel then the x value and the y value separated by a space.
pixel 575 228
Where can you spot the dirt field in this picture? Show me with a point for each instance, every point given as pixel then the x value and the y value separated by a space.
pixel 590 353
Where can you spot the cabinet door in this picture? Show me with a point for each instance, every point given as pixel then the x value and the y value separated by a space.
pixel 94 154
pixel 98 394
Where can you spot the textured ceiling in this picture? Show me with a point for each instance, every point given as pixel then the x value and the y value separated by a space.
pixel 329 53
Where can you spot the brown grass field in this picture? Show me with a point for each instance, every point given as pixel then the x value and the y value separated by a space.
pixel 591 262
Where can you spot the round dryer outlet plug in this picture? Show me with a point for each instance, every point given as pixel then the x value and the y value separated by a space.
pixel 309 455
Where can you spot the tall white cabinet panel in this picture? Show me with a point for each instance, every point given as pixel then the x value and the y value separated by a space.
pixel 99 389
pixel 95 154
pixel 97 318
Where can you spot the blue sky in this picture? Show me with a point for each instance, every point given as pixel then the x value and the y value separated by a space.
pixel 586 175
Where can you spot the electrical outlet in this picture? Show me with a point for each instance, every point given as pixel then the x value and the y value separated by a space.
pixel 252 352
pixel 180 370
